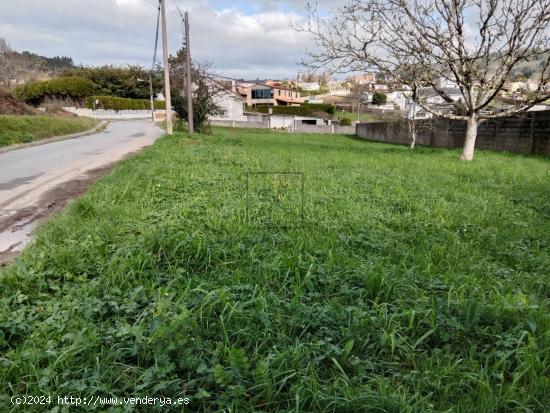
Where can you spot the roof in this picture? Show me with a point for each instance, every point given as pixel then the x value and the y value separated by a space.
pixel 430 92
pixel 225 89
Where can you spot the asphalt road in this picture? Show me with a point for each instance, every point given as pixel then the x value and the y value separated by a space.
pixel 28 175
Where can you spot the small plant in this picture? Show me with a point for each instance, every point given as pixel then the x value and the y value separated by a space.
pixel 345 122
pixel 379 98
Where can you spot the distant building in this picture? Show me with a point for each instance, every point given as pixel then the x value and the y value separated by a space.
pixel 433 99
pixel 309 86
pixel 230 104
pixel 256 93
pixel 364 79
pixel 528 86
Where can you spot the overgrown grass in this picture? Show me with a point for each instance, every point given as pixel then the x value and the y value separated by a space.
pixel 414 283
pixel 28 128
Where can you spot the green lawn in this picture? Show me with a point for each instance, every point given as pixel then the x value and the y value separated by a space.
pixel 409 282
pixel 28 128
pixel 363 117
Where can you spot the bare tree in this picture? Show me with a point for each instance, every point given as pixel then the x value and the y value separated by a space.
pixel 4 46
pixel 473 43
pixel 205 91
pixel 416 127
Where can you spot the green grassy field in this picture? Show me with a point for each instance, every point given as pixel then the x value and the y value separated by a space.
pixel 367 278
pixel 29 128
pixel 363 117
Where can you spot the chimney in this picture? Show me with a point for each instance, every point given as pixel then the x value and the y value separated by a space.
pixel 233 87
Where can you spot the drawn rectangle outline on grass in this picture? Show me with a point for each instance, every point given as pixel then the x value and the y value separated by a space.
pixel 300 175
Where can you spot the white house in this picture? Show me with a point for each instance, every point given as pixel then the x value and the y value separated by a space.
pixel 231 106
pixel 398 98
pixel 309 86
pixel 395 98
pixel 432 98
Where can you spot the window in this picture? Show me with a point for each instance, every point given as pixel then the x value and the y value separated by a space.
pixel 262 94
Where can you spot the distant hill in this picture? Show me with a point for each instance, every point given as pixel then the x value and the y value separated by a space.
pixel 20 67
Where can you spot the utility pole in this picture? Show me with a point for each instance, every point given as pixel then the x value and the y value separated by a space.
pixel 189 80
pixel 167 98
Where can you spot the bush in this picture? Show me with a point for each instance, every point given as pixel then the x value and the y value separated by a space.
pixel 116 103
pixel 127 82
pixel 345 122
pixel 379 98
pixel 70 87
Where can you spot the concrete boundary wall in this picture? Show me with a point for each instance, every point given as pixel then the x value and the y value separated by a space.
pixel 103 114
pixel 111 114
pixel 332 129
pixel 528 133
pixel 241 124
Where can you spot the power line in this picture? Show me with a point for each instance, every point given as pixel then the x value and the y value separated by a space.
pixel 156 38
pixel 153 64
pixel 174 5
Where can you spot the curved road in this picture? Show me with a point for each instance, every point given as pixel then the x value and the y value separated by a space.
pixel 31 177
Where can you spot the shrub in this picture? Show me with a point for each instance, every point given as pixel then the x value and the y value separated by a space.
pixel 116 103
pixel 379 98
pixel 345 122
pixel 70 87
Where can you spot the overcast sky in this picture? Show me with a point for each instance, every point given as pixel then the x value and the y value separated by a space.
pixel 243 38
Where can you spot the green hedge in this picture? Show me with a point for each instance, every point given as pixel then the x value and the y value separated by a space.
pixel 115 103
pixel 72 87
pixel 305 109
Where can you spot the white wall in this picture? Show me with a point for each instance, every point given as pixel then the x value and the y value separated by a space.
pixel 232 105
pixel 111 114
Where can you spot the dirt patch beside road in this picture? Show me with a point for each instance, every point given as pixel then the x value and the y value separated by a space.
pixel 25 220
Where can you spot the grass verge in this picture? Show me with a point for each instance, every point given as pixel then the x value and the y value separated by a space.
pixel 360 277
pixel 15 129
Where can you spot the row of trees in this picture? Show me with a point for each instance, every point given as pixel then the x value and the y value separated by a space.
pixel 476 44
pixel 130 81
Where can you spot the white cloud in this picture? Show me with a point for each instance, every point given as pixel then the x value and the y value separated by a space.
pixel 239 42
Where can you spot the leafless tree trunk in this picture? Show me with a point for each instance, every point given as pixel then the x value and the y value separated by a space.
pixel 475 44
pixel 470 140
